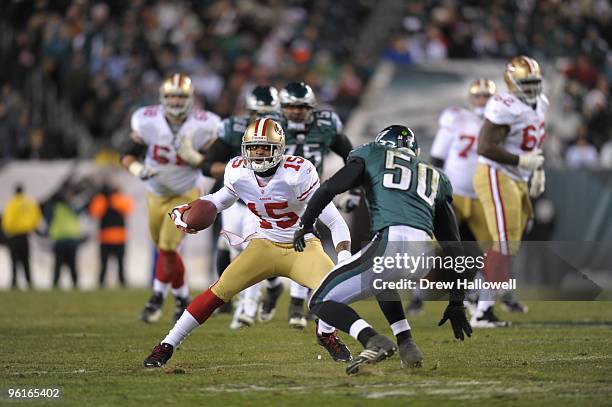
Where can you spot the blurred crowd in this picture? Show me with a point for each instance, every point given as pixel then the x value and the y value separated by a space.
pixel 573 36
pixel 106 58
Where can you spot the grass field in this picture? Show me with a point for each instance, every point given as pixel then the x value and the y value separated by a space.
pixel 91 344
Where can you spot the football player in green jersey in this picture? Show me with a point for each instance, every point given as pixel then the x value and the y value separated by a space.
pixel 310 133
pixel 409 203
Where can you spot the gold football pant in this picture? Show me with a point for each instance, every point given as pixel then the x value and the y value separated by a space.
pixel 163 232
pixel 506 206
pixel 470 211
pixel 263 259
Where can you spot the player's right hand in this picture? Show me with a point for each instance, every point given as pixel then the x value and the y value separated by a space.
pixel 177 218
pixel 142 171
pixel 298 237
pixel 531 160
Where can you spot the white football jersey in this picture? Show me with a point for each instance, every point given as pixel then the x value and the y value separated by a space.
pixel 455 143
pixel 277 201
pixel 175 176
pixel 526 128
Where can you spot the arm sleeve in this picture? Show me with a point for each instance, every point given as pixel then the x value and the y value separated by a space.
pixel 336 224
pixel 445 223
pixel 346 178
pixel 222 199
pixel 219 151
pixel 341 145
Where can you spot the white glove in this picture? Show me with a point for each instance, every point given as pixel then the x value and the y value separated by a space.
pixel 177 217
pixel 141 171
pixel 186 151
pixel 538 183
pixel 348 202
pixel 531 160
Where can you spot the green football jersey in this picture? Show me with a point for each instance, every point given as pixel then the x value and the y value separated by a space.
pixel 401 189
pixel 313 141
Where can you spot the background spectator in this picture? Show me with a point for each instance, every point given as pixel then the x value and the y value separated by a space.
pixel 582 154
pixel 21 217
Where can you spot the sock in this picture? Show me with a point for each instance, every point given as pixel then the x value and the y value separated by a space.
pixel 166 266
pixel 298 291
pixel 364 336
pixel 337 314
pixel 401 330
pixel 273 282
pixel 324 328
pixel 203 305
pixel 392 306
pixel 161 287
pixel 181 292
pixel 181 329
pixel 251 298
pixel 298 302
pixel 179 271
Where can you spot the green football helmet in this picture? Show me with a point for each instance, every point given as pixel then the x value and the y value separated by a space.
pixel 398 136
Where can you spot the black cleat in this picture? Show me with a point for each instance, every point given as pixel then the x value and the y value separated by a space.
pixel 181 306
pixel 379 348
pixel 336 348
pixel 153 309
pixel 297 318
pixel 410 354
pixel 267 308
pixel 159 356
pixel 512 305
pixel 487 319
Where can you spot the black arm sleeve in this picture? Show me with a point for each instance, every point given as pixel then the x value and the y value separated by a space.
pixel 446 231
pixel 341 145
pixel 133 148
pixel 219 151
pixel 346 178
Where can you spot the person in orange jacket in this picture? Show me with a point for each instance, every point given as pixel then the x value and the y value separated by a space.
pixel 111 208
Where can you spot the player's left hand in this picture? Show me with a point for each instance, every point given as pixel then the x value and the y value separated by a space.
pixel 349 201
pixel 538 183
pixel 455 312
pixel 185 150
pixel 298 237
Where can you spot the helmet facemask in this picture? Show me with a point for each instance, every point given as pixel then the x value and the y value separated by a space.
pixel 262 163
pixel 528 89
pixel 297 101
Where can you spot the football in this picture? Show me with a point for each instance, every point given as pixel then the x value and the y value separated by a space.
pixel 201 215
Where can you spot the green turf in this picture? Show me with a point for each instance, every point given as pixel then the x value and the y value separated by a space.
pixel 91 344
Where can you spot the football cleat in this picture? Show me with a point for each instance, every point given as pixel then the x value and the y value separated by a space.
pixel 267 308
pixel 181 306
pixel 297 319
pixel 153 309
pixel 415 307
pixel 512 305
pixel 336 348
pixel 487 319
pixel 378 348
pixel 410 354
pixel 159 356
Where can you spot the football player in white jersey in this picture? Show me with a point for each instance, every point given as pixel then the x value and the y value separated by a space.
pixel 173 137
pixel 510 157
pixel 454 150
pixel 276 189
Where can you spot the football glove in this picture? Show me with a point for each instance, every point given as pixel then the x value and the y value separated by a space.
pixel 531 160
pixel 455 312
pixel 298 237
pixel 185 150
pixel 350 201
pixel 538 183
pixel 177 218
pixel 142 171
